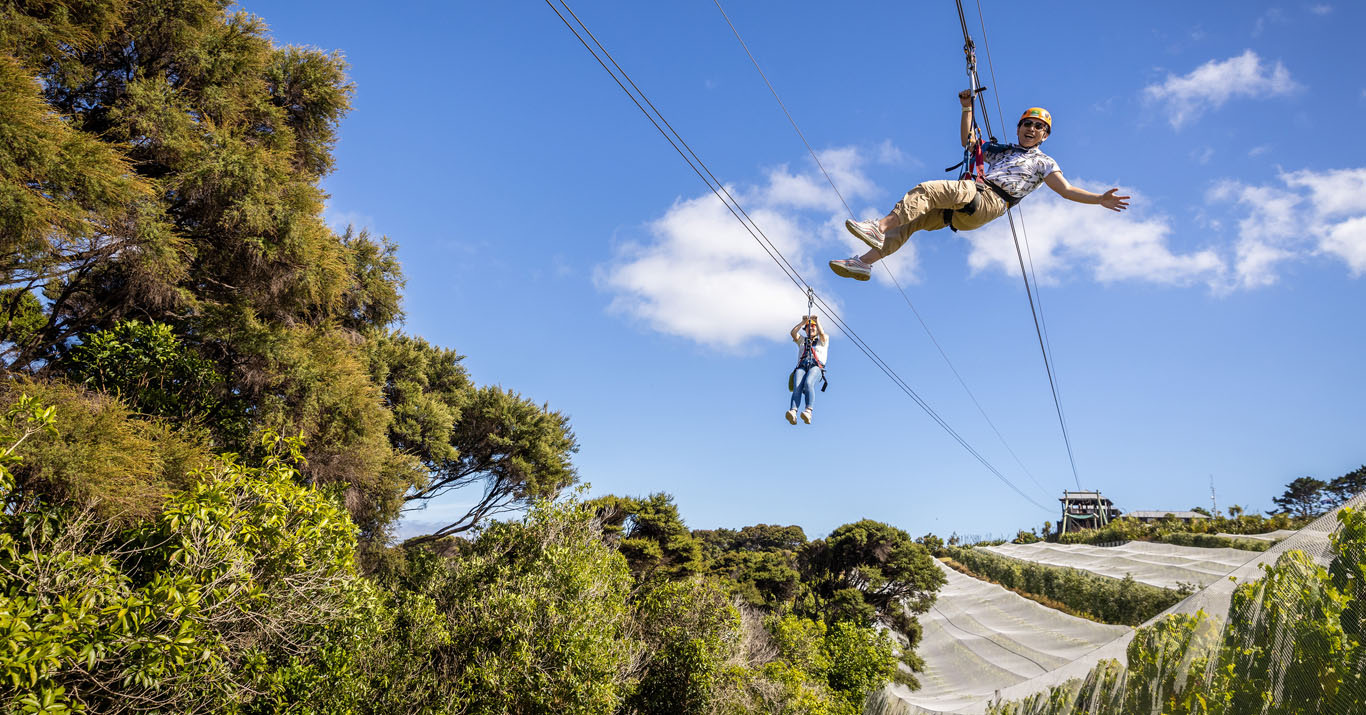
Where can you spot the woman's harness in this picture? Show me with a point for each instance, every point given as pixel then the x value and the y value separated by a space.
pixel 806 361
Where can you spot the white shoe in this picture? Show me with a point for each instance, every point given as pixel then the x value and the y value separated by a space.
pixel 867 231
pixel 806 415
pixel 791 416
pixel 852 268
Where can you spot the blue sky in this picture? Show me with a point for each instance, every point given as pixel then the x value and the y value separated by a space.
pixel 551 235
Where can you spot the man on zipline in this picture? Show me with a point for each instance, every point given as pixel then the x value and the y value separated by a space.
pixel 1013 171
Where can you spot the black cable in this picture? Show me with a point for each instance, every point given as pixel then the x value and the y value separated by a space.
pixel 776 255
pixel 830 180
pixel 1044 343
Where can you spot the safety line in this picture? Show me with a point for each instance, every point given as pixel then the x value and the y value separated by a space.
pixel 1029 253
pixel 1024 275
pixel 830 180
pixel 751 227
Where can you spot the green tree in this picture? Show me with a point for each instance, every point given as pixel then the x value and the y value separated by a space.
pixel 1347 486
pixel 465 438
pixel 537 612
pixel 189 611
pixel 872 563
pixel 1303 497
pixel 151 370
pixel 187 150
pixel 690 632
pixel 651 535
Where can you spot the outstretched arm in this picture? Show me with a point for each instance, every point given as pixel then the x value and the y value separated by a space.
pixel 796 328
pixel 1058 183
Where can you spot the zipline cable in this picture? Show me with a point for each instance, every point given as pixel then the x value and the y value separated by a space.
pixel 1029 253
pixel 969 50
pixel 830 180
pixel 755 232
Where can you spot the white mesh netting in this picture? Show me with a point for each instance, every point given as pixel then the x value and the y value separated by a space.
pixel 1161 565
pixel 1281 633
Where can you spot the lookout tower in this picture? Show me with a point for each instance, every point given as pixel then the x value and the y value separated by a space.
pixel 1085 510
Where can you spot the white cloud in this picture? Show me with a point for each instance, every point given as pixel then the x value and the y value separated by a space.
pixel 1203 155
pixel 1334 193
pixel 1321 9
pixel 1259 150
pixel 1065 236
pixel 700 275
pixel 1315 213
pixel 1347 240
pixel 1214 83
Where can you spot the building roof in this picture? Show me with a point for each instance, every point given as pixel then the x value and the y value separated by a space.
pixel 1081 496
pixel 1159 514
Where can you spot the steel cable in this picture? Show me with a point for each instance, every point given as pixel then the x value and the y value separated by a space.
pixel 699 167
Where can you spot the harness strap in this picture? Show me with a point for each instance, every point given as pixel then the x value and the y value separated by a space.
pixel 971 207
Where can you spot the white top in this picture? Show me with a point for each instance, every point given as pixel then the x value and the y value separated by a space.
pixel 1016 169
pixel 821 347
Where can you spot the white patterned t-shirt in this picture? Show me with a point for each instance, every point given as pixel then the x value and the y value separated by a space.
pixel 1016 169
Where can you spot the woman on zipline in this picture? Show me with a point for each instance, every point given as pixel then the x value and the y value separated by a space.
pixel 815 345
pixel 1013 170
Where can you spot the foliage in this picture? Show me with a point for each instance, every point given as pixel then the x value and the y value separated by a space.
pixel 151 370
pixel 1026 537
pixel 651 535
pixel 1108 600
pixel 188 611
pixel 515 450
pixel 690 632
pixel 1198 532
pixel 932 543
pixel 536 614
pixel 760 562
pixel 101 459
pixel 827 669
pixel 1343 488
pixel 1304 497
pixel 869 571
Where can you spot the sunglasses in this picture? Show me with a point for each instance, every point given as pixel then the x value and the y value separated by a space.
pixel 1031 124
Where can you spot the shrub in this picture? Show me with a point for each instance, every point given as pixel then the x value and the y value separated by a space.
pixel 100 458
pixel 537 613
pixel 1109 600
pixel 690 632
pixel 191 610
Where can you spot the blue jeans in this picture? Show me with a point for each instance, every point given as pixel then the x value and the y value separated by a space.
pixel 804 383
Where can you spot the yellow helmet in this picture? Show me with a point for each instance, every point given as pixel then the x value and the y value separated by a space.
pixel 1038 113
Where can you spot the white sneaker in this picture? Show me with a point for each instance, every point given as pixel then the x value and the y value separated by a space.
pixel 867 231
pixel 806 415
pixel 852 268
pixel 791 416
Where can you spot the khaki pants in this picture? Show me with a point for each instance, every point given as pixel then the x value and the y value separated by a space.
pixel 922 209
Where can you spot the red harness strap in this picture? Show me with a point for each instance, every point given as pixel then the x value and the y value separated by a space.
pixel 809 346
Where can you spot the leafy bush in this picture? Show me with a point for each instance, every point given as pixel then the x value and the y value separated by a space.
pixel 191 610
pixel 1197 532
pixel 690 632
pixel 99 457
pixel 828 670
pixel 1108 600
pixel 537 614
